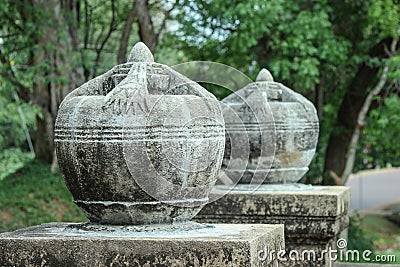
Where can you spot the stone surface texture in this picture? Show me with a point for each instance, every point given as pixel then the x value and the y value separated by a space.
pixel 140 144
pixel 313 215
pixel 61 244
pixel 282 132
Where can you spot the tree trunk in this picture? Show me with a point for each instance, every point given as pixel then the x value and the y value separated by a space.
pixel 320 100
pixel 146 29
pixel 349 164
pixel 41 92
pixel 55 78
pixel 126 32
pixel 148 34
pixel 348 115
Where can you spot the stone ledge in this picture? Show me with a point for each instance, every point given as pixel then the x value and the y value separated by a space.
pixel 62 244
pixel 295 227
pixel 313 201
pixel 320 211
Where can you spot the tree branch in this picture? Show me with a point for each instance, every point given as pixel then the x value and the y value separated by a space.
pixel 362 115
pixel 86 71
pixel 111 29
pixel 146 28
pixel 126 32
pixel 23 91
pixel 166 16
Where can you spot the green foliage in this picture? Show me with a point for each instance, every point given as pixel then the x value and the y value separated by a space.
pixel 33 196
pixel 376 147
pixel 292 39
pixel 11 124
pixel 385 15
pixel 357 235
pixel 17 42
pixel 374 233
pixel 96 23
pixel 34 43
pixel 306 45
pixel 12 159
pixel 13 143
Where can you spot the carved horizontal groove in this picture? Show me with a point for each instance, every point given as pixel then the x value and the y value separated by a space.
pixel 85 139
pixel 137 203
pixel 278 129
pixel 134 133
pixel 141 127
pixel 269 131
pixel 130 135
pixel 139 137
pixel 302 124
pixel 137 134
pixel 271 126
pixel 249 130
pixel 272 169
pixel 138 131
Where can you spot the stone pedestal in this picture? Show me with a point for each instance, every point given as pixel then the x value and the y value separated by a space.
pixel 189 244
pixel 313 216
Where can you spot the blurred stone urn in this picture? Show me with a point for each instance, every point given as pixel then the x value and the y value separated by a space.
pixel 278 127
pixel 140 144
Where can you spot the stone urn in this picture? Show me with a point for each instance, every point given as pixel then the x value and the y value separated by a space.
pixel 140 144
pixel 281 128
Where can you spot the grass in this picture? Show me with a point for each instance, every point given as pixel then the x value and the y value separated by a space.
pixel 383 232
pixel 378 234
pixel 34 195
pixel 385 235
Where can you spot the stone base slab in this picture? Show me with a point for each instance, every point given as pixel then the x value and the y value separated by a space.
pixel 313 215
pixel 306 211
pixel 66 244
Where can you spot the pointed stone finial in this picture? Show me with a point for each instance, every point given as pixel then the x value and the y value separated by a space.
pixel 264 76
pixel 140 53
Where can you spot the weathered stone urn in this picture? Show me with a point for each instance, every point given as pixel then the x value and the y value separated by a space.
pixel 282 132
pixel 140 144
